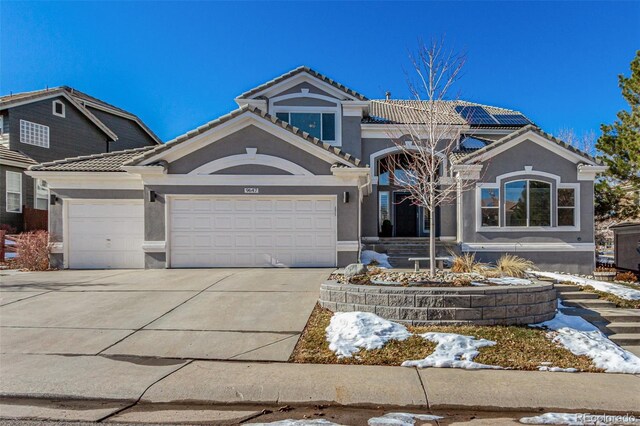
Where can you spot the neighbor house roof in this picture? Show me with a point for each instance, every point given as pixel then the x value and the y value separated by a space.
pixel 246 109
pixel 105 162
pixel 530 128
pixel 15 158
pixel 297 71
pixel 402 111
pixel 81 101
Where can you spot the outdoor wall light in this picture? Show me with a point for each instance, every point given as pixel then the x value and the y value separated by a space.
pixel 53 199
pixel 345 197
pixel 152 196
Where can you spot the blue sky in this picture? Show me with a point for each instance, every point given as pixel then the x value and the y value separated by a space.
pixel 180 64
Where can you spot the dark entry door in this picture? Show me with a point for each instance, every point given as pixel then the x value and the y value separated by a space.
pixel 406 217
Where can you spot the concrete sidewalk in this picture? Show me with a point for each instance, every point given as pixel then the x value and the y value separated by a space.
pixel 123 382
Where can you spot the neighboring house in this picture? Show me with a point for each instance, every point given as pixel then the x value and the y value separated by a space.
pixel 297 176
pixel 626 238
pixel 52 124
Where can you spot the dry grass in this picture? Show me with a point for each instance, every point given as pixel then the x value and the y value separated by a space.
pixel 467 263
pixel 619 301
pixel 519 348
pixel 513 266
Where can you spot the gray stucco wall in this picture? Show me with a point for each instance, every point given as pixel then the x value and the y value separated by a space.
pixel 541 159
pixel 351 137
pixel 575 262
pixel 250 137
pixel 298 89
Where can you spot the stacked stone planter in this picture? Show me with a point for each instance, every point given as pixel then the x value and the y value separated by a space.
pixel 487 305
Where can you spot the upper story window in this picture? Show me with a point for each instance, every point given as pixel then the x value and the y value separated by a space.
pixel 58 109
pixel 34 134
pixel 321 125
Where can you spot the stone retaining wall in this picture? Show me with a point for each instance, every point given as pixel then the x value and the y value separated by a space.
pixel 490 305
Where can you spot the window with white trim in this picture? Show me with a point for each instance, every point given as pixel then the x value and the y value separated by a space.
pixel 58 108
pixel 384 205
pixel 14 192
pixel 41 195
pixel 527 203
pixel 566 207
pixel 490 206
pixel 34 134
pixel 321 125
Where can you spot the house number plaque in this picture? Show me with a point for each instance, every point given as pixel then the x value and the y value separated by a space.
pixel 251 190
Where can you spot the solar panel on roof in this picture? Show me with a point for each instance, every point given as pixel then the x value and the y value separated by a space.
pixel 475 115
pixel 512 119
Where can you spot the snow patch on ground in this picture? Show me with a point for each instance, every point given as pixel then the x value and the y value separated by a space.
pixel 615 289
pixel 509 281
pixel 367 256
pixel 303 422
pixel 452 351
pixel 348 332
pixel 583 338
pixel 554 419
pixel 401 419
pixel 557 369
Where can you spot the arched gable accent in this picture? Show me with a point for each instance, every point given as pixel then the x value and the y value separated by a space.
pixel 374 157
pixel 250 158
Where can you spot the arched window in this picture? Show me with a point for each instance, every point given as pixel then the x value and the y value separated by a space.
pixel 527 203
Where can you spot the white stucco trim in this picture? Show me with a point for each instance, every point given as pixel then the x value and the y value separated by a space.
pixel 154 246
pixel 56 248
pixel 587 172
pixel 373 160
pixel 528 247
pixel 253 180
pixel 394 131
pixel 88 180
pixel 347 246
pixel 252 159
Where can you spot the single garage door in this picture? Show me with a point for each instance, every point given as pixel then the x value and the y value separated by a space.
pixel 252 231
pixel 105 234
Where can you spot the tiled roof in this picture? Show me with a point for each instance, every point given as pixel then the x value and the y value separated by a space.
pixel 79 99
pixel 106 162
pixel 250 109
pixel 399 111
pixel 520 132
pixel 15 158
pixel 299 70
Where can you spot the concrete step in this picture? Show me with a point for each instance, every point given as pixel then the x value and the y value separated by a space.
pixel 634 349
pixel 610 315
pixel 588 303
pixel 625 339
pixel 619 327
pixel 566 288
pixel 577 295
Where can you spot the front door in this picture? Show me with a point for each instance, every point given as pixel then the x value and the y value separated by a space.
pixel 406 216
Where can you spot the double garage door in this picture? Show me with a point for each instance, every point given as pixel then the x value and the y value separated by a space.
pixel 252 231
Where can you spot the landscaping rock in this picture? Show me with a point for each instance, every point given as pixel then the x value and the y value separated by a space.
pixel 355 269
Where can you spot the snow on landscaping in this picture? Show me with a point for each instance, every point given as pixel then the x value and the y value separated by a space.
pixel 583 338
pixel 348 332
pixel 401 419
pixel 452 351
pixel 509 281
pixel 615 289
pixel 367 256
pixel 554 419
pixel 302 422
pixel 557 369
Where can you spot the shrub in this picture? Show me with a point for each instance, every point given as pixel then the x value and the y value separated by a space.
pixel 627 277
pixel 513 266
pixel 8 228
pixel 33 251
pixel 466 263
pixel 605 269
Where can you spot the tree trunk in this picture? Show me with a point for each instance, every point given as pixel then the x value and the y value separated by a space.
pixel 432 244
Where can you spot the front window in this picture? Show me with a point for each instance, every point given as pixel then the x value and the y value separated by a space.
pixel 490 206
pixel 34 134
pixel 566 207
pixel 527 203
pixel 14 192
pixel 42 195
pixel 319 125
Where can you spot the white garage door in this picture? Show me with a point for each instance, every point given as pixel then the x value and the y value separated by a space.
pixel 252 231
pixel 105 234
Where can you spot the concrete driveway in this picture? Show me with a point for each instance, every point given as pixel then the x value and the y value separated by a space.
pixel 223 314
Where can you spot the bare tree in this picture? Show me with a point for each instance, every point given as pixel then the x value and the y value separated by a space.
pixel 586 142
pixel 428 133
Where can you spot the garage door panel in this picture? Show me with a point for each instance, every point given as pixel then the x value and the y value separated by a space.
pixel 105 234
pixel 256 232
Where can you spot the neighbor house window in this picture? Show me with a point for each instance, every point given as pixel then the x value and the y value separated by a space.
pixel 58 109
pixel 490 206
pixel 320 125
pixel 566 207
pixel 34 134
pixel 41 195
pixel 527 203
pixel 14 192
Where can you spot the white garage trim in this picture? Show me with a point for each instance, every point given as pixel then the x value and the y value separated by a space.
pixel 209 228
pixel 69 203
